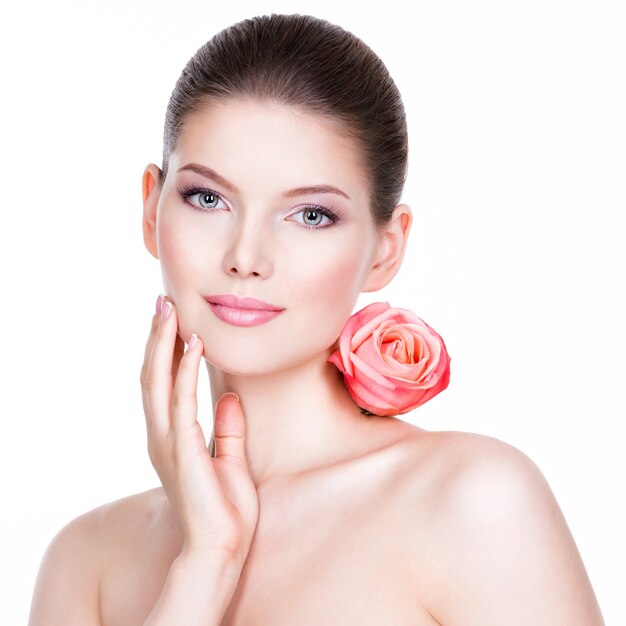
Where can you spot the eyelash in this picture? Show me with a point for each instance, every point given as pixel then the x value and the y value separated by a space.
pixel 334 216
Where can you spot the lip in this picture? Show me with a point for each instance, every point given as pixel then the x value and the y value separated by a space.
pixel 242 311
pixel 246 303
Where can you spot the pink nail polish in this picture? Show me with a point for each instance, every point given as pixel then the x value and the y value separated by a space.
pixel 159 303
pixel 167 309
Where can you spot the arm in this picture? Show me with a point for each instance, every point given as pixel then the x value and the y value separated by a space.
pixel 505 554
pixel 197 591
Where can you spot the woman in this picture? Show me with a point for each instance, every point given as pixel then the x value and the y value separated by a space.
pixel 285 153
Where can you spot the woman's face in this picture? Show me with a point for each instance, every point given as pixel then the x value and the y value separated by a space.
pixel 233 217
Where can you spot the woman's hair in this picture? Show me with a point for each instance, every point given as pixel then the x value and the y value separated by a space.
pixel 306 62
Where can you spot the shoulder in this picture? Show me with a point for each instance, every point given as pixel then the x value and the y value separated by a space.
pixel 109 527
pixel 122 526
pixel 483 475
pixel 68 581
pixel 454 464
pixel 496 537
pixel 474 481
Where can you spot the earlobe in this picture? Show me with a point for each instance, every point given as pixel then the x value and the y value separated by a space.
pixel 391 246
pixel 150 191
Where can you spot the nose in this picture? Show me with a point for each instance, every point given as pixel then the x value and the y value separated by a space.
pixel 248 250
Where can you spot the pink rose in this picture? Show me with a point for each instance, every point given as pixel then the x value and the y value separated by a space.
pixel 391 360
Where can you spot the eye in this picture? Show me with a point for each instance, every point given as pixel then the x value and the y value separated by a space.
pixel 207 198
pixel 313 216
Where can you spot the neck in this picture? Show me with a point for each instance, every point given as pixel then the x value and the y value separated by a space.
pixel 296 420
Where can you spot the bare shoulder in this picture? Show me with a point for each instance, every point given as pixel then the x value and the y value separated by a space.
pixel 472 482
pixel 463 463
pixel 130 527
pixel 113 525
pixel 67 589
pixel 449 465
pixel 497 539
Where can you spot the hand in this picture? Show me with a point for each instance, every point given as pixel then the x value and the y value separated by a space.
pixel 214 499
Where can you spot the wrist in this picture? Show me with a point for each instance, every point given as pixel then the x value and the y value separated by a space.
pixel 209 559
pixel 200 554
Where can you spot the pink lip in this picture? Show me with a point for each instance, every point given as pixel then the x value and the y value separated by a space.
pixel 242 311
pixel 242 303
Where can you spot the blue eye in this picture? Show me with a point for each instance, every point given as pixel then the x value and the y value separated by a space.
pixel 207 198
pixel 318 212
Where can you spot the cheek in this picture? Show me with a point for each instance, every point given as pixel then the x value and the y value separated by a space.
pixel 332 278
pixel 330 286
pixel 184 260
pixel 178 252
pixel 172 263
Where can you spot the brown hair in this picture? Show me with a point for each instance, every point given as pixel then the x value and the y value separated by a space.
pixel 307 62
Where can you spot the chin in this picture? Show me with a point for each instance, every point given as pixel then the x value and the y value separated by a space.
pixel 243 366
pixel 264 363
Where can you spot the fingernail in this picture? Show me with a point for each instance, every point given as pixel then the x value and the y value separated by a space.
pixel 159 303
pixel 167 309
pixel 192 340
pixel 231 393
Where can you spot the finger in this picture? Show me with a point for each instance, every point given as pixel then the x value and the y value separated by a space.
pixel 150 341
pixel 179 350
pixel 159 379
pixel 229 430
pixel 187 432
pixel 146 364
pixel 185 391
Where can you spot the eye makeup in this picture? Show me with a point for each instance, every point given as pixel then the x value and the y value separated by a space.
pixel 334 215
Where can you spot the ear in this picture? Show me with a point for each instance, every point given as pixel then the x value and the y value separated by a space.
pixel 151 191
pixel 392 242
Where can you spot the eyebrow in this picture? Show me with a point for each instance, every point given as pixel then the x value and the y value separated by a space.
pixel 207 172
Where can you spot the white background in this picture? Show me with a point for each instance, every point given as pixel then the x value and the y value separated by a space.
pixel 516 182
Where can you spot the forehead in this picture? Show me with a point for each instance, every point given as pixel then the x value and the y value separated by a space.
pixel 253 142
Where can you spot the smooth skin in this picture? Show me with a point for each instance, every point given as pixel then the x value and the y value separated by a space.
pixel 360 520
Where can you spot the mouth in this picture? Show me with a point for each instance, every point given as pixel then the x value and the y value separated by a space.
pixel 245 303
pixel 242 311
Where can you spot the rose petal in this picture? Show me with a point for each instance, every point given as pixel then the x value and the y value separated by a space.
pixel 362 366
pixel 354 323
pixel 365 398
pixel 368 325
pixel 336 359
pixel 402 346
pixel 407 373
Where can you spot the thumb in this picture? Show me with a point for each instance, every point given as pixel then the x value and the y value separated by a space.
pixel 229 430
